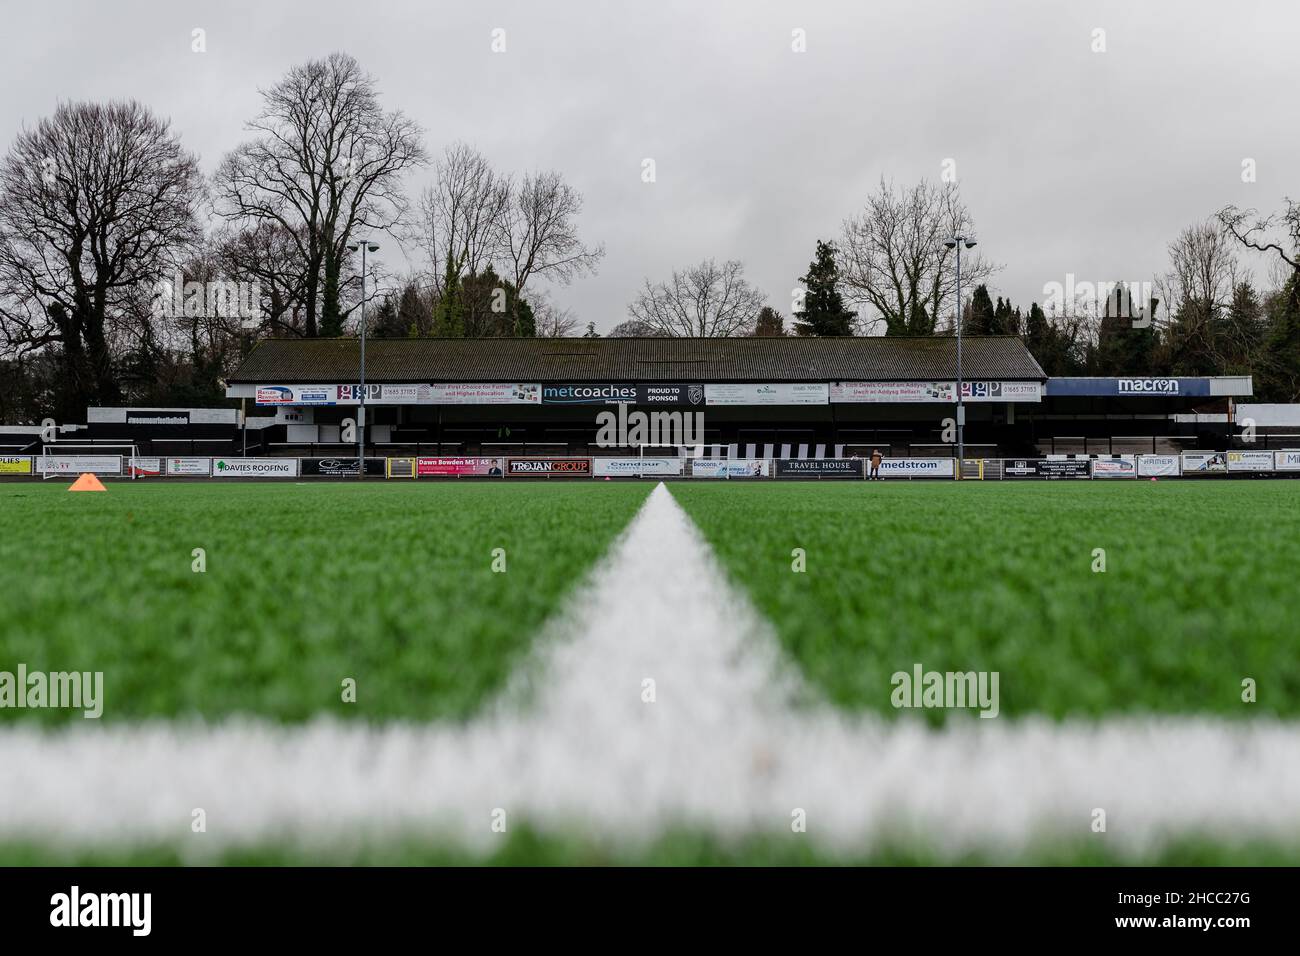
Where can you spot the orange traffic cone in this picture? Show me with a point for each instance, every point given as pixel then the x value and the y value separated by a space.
pixel 87 482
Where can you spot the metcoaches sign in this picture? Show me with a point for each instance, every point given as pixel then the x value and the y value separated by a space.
pixel 819 468
pixel 523 467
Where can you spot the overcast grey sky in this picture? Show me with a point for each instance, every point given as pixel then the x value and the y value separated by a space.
pixel 1069 160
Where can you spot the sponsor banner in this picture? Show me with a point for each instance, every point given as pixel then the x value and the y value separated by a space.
pixel 296 395
pixel 254 467
pixel 1149 387
pixel 588 394
pixel 633 467
pixel 684 395
pixel 819 468
pixel 1123 467
pixel 815 393
pixel 477 394
pixel 1158 466
pixel 893 392
pixel 731 467
pixel 188 466
pixel 1045 468
pixel 459 467
pixel 340 467
pixel 1250 461
pixel 523 467
pixel 400 467
pixel 376 394
pixel 145 467
pixel 15 465
pixel 1204 462
pixel 1001 392
pixel 384 394
pixel 1287 461
pixel 77 464
pixel 917 468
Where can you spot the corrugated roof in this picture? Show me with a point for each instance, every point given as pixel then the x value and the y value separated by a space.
pixel 307 361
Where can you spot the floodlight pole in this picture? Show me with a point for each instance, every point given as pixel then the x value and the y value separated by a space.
pixel 363 245
pixel 956 242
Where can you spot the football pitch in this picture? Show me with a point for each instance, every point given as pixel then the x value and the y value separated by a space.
pixel 703 672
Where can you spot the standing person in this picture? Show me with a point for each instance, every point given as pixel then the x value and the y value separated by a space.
pixel 875 464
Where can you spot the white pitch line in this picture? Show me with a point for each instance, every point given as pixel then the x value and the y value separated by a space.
pixel 732 744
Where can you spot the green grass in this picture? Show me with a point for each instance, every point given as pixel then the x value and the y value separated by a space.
pixel 1199 591
pixel 525 846
pixel 388 584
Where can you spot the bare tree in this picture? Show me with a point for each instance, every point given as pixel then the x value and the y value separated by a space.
pixel 1202 268
pixel 553 322
pixel 461 215
pixel 634 329
pixel 267 254
pixel 539 232
pixel 893 257
pixel 703 301
pixel 1198 291
pixel 327 166
pixel 1278 234
pixel 97 203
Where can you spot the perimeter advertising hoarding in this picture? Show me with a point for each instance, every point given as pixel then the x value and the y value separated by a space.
pixel 730 467
pixel 340 467
pixel 15 465
pixel 1250 461
pixel 902 392
pixel 1287 461
pixel 524 467
pixel 917 468
pixel 819 468
pixel 459 467
pixel 1158 466
pixel 254 467
pixel 189 466
pixel 401 467
pixel 635 467
pixel 145 467
pixel 77 464
pixel 1045 468
pixel 806 393
pixel 1122 467
pixel 1204 463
